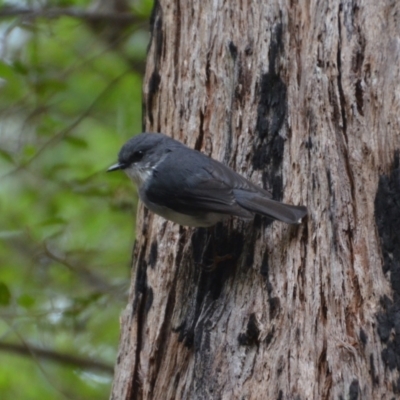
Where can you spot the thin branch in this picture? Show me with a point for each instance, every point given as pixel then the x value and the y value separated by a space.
pixel 64 132
pixel 61 358
pixel 57 12
pixel 88 276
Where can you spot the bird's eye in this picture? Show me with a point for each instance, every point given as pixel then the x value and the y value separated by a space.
pixel 137 156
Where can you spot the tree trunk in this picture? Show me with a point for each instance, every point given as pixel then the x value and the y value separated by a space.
pixel 303 99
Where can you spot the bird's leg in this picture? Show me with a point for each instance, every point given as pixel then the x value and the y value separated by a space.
pixel 216 258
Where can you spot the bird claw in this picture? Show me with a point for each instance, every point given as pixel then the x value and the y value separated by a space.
pixel 216 260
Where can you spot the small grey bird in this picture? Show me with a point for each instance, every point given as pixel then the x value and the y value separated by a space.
pixel 191 189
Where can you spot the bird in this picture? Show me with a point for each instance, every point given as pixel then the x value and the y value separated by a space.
pixel 192 189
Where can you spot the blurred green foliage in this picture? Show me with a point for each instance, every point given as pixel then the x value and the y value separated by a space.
pixel 70 97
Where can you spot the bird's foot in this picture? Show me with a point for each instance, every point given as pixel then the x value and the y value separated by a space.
pixel 216 260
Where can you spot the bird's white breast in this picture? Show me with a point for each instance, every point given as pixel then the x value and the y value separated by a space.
pixel 139 175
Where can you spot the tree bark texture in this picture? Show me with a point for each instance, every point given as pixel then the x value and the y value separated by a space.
pixel 302 98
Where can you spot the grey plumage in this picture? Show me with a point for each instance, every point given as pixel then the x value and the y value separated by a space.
pixel 188 187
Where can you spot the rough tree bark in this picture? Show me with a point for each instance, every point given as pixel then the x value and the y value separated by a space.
pixel 304 99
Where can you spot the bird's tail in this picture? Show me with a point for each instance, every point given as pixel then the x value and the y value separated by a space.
pixel 271 208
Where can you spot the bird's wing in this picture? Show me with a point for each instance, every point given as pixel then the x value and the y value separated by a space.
pixel 191 183
pixel 232 179
pixel 253 198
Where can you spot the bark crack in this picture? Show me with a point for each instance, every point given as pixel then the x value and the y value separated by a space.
pixel 136 384
pixel 139 308
pixel 163 335
pixel 342 98
pixel 342 102
pixel 345 153
pixel 177 42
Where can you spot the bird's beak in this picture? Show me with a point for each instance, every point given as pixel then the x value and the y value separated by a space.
pixel 115 167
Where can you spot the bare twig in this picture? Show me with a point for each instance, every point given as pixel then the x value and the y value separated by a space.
pixel 57 12
pixel 61 358
pixel 64 132
pixel 88 276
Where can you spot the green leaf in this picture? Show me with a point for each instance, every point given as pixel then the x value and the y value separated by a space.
pixel 29 151
pixel 5 294
pixel 49 86
pixel 20 68
pixel 53 221
pixel 6 156
pixel 26 301
pixel 76 142
pixel 6 71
